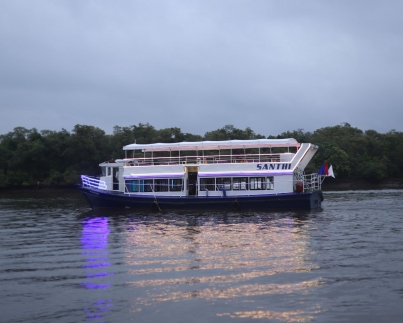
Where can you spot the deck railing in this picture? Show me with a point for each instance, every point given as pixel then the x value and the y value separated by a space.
pixel 312 182
pixel 93 182
pixel 206 159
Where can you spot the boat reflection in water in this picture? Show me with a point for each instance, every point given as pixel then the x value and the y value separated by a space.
pixel 94 241
pixel 257 266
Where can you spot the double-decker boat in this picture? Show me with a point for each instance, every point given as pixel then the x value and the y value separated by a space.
pixel 263 174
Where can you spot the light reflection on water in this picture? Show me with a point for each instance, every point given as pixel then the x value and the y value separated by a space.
pixel 233 261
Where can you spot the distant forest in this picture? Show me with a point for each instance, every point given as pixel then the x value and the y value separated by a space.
pixel 29 157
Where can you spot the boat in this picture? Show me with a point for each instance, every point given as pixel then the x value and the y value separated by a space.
pixel 259 174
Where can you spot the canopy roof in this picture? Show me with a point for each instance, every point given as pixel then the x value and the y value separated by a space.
pixel 214 145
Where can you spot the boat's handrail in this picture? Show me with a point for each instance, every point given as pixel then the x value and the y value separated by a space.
pixel 93 182
pixel 206 159
pixel 312 182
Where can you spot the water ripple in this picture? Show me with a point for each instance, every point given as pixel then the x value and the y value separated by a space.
pixel 61 262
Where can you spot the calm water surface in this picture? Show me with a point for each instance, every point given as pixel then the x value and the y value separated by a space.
pixel 61 262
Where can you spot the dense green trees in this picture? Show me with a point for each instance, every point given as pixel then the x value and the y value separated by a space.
pixel 229 132
pixel 354 153
pixel 29 157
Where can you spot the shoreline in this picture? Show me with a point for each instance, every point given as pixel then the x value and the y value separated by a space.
pixel 333 184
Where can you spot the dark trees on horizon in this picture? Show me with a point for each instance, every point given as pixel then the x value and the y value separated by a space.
pixel 29 157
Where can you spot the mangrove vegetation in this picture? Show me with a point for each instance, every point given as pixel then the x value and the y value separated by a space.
pixel 29 157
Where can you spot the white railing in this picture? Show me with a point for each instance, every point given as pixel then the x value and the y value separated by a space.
pixel 93 182
pixel 203 159
pixel 313 182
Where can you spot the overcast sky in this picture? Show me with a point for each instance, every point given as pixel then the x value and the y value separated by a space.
pixel 199 65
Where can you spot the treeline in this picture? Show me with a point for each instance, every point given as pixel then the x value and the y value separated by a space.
pixel 29 157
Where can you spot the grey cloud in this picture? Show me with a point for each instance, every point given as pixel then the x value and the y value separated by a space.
pixel 198 65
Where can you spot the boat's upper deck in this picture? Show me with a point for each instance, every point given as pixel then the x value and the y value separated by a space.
pixel 211 152
pixel 214 145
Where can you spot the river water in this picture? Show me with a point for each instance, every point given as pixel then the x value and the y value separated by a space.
pixel 61 262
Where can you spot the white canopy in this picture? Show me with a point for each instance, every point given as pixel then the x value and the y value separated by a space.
pixel 214 145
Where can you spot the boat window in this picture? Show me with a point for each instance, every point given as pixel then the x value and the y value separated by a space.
pixel 239 183
pixel 257 183
pixel 224 182
pixel 270 183
pixel 109 170
pixel 132 185
pixel 175 185
pixel 103 171
pixel 207 184
pixel 146 185
pixel 161 185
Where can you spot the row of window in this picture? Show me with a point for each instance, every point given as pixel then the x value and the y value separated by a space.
pixel 154 185
pixel 237 183
pixel 210 184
